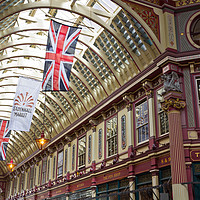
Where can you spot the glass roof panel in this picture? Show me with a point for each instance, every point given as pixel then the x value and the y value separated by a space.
pixel 101 58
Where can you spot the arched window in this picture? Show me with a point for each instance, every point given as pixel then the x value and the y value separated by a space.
pixel 89 148
pixel 100 143
pixel 195 30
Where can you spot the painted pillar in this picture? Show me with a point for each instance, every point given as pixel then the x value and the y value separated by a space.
pixel 131 177
pixel 189 179
pixel 94 149
pixel 152 131
pixel 11 186
pixel 69 157
pixel 178 167
pixel 132 187
pixel 93 123
pixel 130 128
pixel 155 182
pixel 147 85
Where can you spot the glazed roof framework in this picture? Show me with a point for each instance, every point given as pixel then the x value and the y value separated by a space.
pixel 114 46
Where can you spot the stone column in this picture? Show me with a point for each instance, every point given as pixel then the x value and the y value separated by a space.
pixel 173 106
pixel 155 182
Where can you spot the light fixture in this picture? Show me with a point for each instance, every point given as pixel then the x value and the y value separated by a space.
pixel 11 165
pixel 42 141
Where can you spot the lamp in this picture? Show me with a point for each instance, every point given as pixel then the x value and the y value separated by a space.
pixel 42 141
pixel 11 165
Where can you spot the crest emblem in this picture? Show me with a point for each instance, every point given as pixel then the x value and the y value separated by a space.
pixel 24 100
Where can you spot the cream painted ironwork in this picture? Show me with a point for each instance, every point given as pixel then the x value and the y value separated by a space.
pixel 113 47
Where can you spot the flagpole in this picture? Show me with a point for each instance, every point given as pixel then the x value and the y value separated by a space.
pixel 68 21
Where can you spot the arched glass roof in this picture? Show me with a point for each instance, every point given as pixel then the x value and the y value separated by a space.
pixel 113 47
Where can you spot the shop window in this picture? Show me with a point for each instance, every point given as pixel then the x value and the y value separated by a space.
pixel 65 161
pixel 31 177
pixel 81 152
pixel 114 190
pixel 141 113
pixel 196 180
pixel 60 164
pixel 44 168
pixel 89 148
pixel 73 157
pixel 80 195
pixel 198 92
pixel 123 129
pixel 144 184
pixel 162 115
pixel 195 30
pixel 100 144
pixel 166 182
pixel 111 136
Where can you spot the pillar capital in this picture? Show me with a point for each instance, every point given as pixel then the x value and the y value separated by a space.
pixel 129 107
pixel 148 87
pixel 154 172
pixel 173 103
pixel 149 94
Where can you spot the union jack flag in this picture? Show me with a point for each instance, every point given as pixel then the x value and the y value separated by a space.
pixel 4 138
pixel 60 50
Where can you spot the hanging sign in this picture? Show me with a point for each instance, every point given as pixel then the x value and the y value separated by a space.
pixel 24 104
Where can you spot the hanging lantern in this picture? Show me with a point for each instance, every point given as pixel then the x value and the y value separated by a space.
pixel 11 165
pixel 42 141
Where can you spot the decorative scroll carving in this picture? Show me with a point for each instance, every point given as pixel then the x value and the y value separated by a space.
pixel 174 103
pixel 171 82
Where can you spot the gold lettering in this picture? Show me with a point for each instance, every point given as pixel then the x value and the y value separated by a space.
pixel 80 185
pixel 197 154
pixel 117 174
pixel 58 191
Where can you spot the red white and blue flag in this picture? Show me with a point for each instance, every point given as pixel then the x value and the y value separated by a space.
pixel 60 50
pixel 4 138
